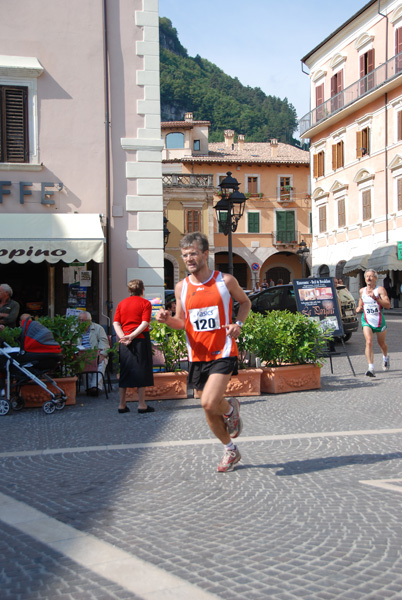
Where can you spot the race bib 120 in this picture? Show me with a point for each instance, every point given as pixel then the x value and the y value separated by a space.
pixel 205 319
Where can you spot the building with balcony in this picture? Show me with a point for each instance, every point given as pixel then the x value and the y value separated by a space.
pixel 275 179
pixel 355 132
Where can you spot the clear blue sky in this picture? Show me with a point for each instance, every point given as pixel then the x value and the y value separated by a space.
pixel 260 42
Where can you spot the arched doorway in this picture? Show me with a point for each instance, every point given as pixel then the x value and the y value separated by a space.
pixel 323 271
pixel 240 267
pixel 277 273
pixel 169 275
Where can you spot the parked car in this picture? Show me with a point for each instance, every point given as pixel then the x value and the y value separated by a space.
pixel 282 297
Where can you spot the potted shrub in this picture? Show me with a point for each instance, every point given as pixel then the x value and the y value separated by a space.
pixel 291 346
pixel 248 380
pixel 67 331
pixel 172 382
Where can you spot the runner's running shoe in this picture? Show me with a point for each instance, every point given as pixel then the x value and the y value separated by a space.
pixel 234 422
pixel 385 363
pixel 229 459
pixel 370 373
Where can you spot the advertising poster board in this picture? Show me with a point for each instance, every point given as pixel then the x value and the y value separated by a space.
pixel 317 299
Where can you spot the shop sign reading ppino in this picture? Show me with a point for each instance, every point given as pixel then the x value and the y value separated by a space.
pixel 46 194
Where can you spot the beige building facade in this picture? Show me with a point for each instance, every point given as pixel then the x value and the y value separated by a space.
pixel 355 130
pixel 273 176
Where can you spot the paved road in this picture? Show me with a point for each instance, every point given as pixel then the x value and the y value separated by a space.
pixel 98 505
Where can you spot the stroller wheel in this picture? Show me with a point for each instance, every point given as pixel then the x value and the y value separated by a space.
pixel 60 404
pixel 17 402
pixel 49 407
pixel 4 407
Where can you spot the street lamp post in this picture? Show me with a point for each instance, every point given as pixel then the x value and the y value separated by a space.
pixel 229 210
pixel 302 254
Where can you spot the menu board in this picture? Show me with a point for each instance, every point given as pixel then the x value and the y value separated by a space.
pixel 318 300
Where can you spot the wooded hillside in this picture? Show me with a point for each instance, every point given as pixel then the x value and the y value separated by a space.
pixel 198 86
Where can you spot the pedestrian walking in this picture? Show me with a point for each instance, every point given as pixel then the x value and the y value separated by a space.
pixel 373 299
pixel 204 310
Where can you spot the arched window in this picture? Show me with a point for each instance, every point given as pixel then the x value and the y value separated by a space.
pixel 323 271
pixel 175 140
pixel 339 272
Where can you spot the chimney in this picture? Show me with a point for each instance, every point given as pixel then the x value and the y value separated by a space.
pixel 274 148
pixel 188 116
pixel 229 138
pixel 240 142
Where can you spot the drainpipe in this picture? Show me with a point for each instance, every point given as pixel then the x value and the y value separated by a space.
pixel 108 270
pixel 386 129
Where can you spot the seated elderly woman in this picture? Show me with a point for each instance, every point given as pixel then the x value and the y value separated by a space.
pixel 95 337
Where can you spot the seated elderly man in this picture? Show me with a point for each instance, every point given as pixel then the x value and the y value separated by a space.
pixel 9 308
pixel 95 337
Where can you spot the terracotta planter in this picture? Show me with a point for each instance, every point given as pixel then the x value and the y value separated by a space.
pixel 246 383
pixel 290 378
pixel 167 386
pixel 35 396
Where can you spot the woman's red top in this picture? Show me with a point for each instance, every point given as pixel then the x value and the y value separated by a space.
pixel 131 312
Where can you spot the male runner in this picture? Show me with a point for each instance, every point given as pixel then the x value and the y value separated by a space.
pixel 204 310
pixel 373 299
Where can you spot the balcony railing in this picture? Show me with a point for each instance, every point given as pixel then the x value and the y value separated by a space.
pixel 187 180
pixel 373 80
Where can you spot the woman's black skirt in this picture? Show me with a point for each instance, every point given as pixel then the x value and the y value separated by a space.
pixel 136 363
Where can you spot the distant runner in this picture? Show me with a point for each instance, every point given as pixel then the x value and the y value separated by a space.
pixel 373 299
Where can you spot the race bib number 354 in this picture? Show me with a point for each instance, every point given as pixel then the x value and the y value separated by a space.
pixel 205 319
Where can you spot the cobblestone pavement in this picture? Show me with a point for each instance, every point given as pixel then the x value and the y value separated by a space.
pixel 312 511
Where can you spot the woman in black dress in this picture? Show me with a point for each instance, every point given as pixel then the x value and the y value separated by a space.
pixel 131 324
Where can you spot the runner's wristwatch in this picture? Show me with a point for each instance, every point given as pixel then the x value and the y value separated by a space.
pixel 239 323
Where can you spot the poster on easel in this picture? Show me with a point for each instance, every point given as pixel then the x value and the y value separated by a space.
pixel 317 299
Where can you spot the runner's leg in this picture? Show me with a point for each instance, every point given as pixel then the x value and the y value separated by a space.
pixel 382 343
pixel 369 352
pixel 215 405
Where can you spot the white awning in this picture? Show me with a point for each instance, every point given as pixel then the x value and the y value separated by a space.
pixel 44 237
pixel 385 259
pixel 355 264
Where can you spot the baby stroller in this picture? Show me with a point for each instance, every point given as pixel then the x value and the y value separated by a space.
pixel 38 354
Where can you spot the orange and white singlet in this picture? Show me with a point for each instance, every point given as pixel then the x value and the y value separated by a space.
pixel 208 307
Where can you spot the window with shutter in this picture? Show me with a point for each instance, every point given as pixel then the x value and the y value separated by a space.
pixel 318 164
pixel 252 185
pixel 319 99
pixel 337 155
pixel 336 89
pixel 253 222
pixel 192 220
pixel 341 213
pixel 398 50
pixel 366 66
pixel 399 193
pixel 363 142
pixel 14 124
pixel 285 189
pixel 399 125
pixel 366 202
pixel 322 219
pixel 285 226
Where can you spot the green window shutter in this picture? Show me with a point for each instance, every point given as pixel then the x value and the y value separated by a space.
pixel 224 217
pixel 253 222
pixel 285 226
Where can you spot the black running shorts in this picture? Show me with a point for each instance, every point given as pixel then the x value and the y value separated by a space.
pixel 201 370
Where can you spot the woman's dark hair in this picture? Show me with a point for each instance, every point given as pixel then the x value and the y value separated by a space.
pixel 135 287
